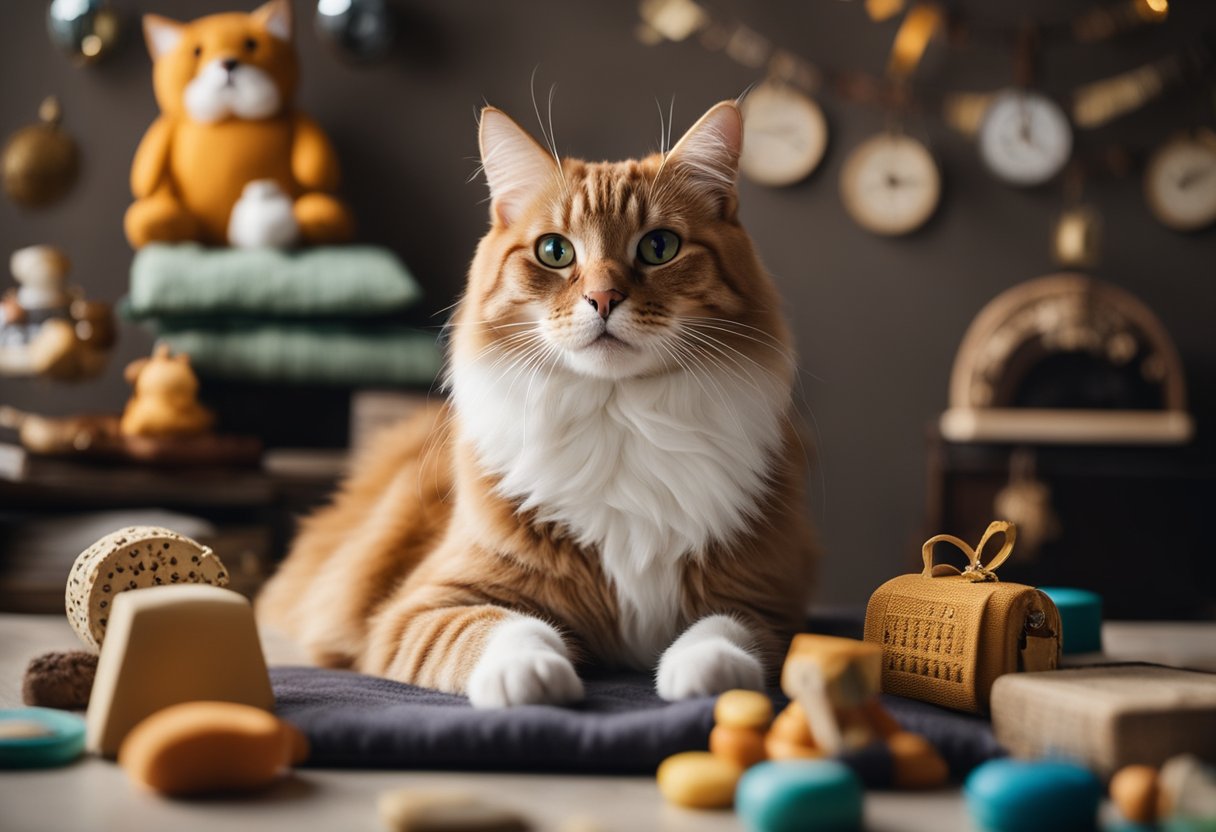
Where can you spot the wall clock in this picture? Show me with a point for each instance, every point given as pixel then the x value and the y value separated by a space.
pixel 890 184
pixel 784 135
pixel 1025 138
pixel 1180 181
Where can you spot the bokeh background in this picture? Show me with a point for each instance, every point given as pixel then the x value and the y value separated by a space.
pixel 877 320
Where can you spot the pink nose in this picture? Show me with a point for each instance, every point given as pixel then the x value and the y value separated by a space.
pixel 605 302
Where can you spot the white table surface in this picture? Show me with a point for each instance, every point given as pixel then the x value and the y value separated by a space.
pixel 93 794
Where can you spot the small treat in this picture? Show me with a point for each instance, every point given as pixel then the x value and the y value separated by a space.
pixel 1133 790
pixel 743 709
pixel 133 558
pixel 420 810
pixel 173 644
pixel 204 747
pixel 1040 796
pixel 39 738
pixel 790 738
pixel 60 680
pixel 698 780
pixel 742 746
pixel 802 796
pixel 917 763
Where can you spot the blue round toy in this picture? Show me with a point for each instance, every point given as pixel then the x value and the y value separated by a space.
pixel 800 796
pixel 39 738
pixel 1080 617
pixel 1033 796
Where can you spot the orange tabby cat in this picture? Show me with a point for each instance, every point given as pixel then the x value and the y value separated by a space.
pixel 615 479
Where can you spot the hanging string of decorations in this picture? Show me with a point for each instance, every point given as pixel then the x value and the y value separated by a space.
pixel 891 185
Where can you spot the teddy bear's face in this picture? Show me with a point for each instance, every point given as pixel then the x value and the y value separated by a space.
pixel 224 66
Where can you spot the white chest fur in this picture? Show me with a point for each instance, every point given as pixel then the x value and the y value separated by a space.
pixel 647 471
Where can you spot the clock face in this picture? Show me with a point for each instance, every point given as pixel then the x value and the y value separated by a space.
pixel 1180 182
pixel 890 184
pixel 784 135
pixel 1025 138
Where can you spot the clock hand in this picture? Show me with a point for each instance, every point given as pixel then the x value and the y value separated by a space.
pixel 1192 176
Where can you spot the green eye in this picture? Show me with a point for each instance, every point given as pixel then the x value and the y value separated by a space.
pixel 555 251
pixel 658 247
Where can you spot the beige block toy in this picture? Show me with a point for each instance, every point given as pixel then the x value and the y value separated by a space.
pixel 174 644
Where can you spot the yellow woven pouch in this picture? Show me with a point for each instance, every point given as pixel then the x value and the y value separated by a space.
pixel 947 635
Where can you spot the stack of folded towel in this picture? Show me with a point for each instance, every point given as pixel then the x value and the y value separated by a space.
pixel 317 316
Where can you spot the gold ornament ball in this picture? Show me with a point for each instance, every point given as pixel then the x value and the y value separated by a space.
pixel 41 161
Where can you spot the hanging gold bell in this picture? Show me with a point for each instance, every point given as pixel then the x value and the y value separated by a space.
pixel 1076 240
pixel 41 161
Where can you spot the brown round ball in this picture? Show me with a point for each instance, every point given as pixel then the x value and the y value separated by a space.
pixel 60 680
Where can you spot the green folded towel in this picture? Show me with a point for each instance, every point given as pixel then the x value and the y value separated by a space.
pixel 330 281
pixel 312 354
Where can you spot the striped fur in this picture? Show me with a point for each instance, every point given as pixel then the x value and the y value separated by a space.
pixel 634 500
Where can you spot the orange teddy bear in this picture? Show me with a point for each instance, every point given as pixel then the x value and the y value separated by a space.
pixel 229 160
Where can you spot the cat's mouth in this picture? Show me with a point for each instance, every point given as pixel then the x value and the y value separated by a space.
pixel 606 340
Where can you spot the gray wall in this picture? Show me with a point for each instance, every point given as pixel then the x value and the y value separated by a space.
pixel 877 320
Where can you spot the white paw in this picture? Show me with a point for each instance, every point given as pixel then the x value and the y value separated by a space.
pixel 524 663
pixel 262 217
pixel 706 668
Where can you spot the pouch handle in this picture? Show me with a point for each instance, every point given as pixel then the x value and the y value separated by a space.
pixel 976 571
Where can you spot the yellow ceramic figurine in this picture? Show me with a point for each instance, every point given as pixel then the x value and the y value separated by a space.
pixel 165 401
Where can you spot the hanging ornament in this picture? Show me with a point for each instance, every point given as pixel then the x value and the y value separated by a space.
pixel 1076 238
pixel 1026 502
pixel 40 161
pixel 85 30
pixel 358 31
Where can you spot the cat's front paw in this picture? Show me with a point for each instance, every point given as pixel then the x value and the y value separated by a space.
pixel 524 663
pixel 705 668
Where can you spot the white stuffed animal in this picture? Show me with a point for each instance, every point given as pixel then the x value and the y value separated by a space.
pixel 263 217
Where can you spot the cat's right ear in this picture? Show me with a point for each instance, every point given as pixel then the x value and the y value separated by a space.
pixel 515 164
pixel 162 34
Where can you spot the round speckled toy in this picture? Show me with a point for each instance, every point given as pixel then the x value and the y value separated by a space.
pixel 133 558
pixel 39 738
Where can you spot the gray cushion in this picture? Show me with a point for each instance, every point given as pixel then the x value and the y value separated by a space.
pixel 361 721
pixel 169 281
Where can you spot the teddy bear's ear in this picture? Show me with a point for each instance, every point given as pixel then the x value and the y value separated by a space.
pixel 131 373
pixel 275 18
pixel 162 34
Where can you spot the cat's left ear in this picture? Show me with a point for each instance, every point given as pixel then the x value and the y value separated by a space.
pixel 709 152
pixel 275 18
pixel 515 165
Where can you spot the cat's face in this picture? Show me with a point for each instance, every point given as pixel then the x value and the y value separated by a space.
pixel 224 66
pixel 615 270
